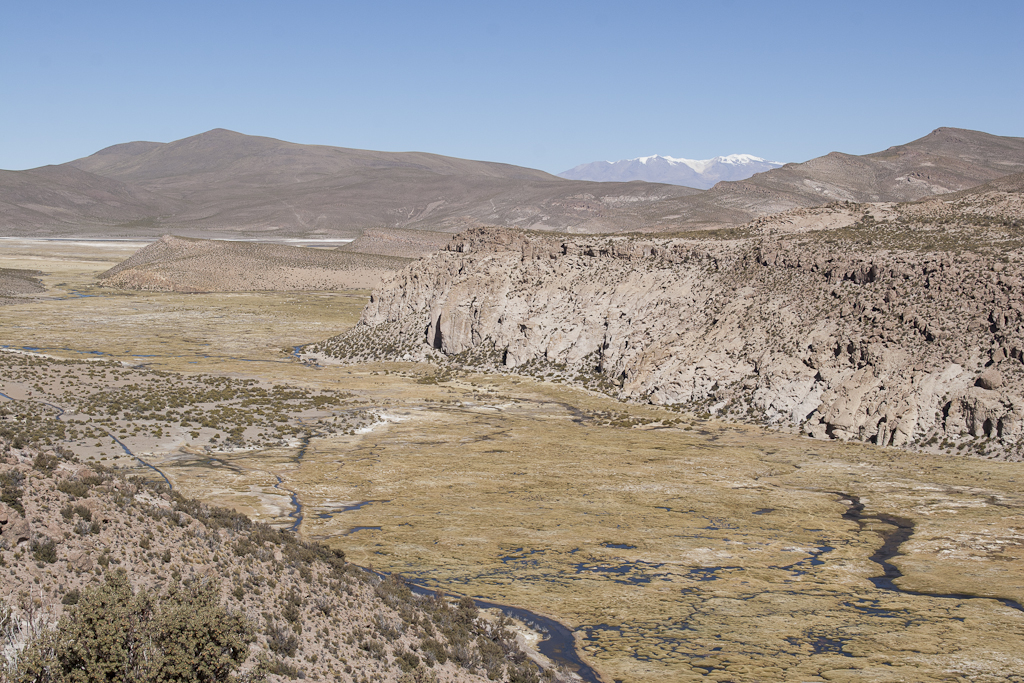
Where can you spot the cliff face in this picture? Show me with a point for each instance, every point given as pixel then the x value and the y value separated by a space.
pixel 896 325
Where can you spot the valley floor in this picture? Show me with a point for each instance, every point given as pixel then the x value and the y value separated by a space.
pixel 675 548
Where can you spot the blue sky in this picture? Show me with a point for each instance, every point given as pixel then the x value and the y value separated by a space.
pixel 541 84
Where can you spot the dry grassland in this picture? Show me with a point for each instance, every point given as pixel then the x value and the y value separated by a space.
pixel 677 549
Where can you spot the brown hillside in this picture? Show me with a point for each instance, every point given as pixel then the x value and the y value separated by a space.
pixel 223 183
pixel 181 264
pixel 15 282
pixel 945 160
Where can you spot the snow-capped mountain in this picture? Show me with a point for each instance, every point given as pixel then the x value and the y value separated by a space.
pixel 701 174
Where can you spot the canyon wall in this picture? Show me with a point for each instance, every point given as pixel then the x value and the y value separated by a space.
pixel 826 331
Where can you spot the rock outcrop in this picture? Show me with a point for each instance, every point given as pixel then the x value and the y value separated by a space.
pixel 900 330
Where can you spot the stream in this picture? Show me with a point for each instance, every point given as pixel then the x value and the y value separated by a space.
pixel 558 643
pixel 128 452
pixel 903 529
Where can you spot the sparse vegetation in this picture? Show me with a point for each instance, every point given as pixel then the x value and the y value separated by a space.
pixel 147 607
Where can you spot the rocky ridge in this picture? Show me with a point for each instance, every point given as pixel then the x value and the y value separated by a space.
pixel 183 264
pixel 398 242
pixel 897 324
pixel 15 282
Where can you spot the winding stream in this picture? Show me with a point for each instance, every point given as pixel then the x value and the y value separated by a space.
pixel 558 643
pixel 128 452
pixel 903 529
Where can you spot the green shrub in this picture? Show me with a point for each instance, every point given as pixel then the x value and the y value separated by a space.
pixel 11 491
pixel 282 640
pixel 279 667
pixel 45 463
pixel 44 551
pixel 407 660
pixel 115 634
pixel 433 651
pixel 75 488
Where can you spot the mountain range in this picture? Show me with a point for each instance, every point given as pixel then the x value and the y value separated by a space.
pixel 223 184
pixel 701 174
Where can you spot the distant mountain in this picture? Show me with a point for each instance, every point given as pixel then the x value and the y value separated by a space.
pixel 701 174
pixel 226 184
pixel 222 184
pixel 945 160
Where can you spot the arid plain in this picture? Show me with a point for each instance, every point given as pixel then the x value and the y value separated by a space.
pixel 675 548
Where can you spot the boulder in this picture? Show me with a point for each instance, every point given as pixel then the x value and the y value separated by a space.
pixel 989 379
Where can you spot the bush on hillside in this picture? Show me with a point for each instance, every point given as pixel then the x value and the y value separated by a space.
pixel 114 634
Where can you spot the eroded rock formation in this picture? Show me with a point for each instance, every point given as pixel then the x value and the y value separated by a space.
pixel 834 331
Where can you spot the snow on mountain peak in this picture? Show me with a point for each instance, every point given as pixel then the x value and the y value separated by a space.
pixel 700 165
pixel 700 173
pixel 744 159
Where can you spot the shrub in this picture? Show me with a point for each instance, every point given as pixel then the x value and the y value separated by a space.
pixel 114 634
pixel 407 660
pixel 280 667
pixel 10 495
pixel 282 640
pixel 75 488
pixel 44 551
pixel 433 651
pixel 45 463
pixel 291 612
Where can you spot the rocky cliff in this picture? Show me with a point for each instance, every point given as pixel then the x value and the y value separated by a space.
pixel 897 324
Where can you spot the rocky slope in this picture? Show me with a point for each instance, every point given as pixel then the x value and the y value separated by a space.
pixel 398 242
pixel 71 535
pixel 182 264
pixel 16 282
pixel 897 324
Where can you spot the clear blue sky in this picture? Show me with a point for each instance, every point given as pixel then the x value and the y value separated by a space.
pixel 541 84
